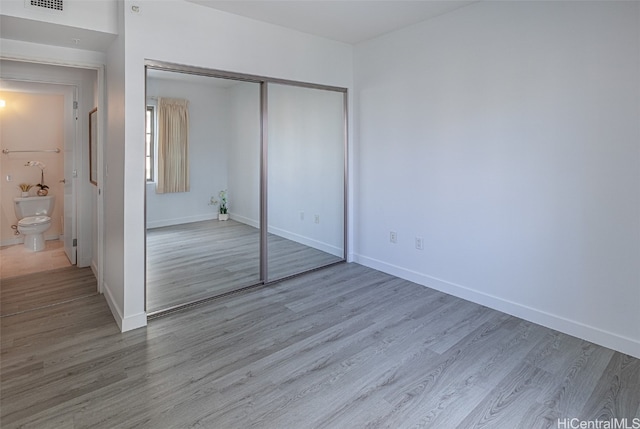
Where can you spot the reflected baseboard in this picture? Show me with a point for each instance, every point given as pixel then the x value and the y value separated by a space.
pixel 180 221
pixel 307 241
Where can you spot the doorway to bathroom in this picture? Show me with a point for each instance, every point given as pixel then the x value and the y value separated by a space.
pixel 36 136
pixel 43 142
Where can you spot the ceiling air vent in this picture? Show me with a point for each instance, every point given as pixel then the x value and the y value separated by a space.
pixel 50 5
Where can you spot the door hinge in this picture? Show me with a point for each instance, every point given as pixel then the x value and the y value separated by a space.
pixel 75 242
pixel 75 104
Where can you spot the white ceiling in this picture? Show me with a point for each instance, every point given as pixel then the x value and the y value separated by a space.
pixel 351 21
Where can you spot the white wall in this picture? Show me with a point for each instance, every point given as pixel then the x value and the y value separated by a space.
pixel 115 253
pixel 506 135
pixel 46 54
pixel 186 33
pixel 208 144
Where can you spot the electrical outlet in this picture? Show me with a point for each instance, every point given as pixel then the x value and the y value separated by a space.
pixel 9 178
pixel 393 236
pixel 419 243
pixel 317 219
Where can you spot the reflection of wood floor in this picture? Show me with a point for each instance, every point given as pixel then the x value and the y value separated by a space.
pixel 343 347
pixel 202 259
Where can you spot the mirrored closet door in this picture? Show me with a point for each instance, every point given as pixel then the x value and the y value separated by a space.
pixel 306 154
pixel 246 182
pixel 203 164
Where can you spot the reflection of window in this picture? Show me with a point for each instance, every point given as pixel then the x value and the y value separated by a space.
pixel 150 142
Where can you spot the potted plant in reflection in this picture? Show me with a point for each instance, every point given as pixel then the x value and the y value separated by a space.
pixel 223 213
pixel 44 189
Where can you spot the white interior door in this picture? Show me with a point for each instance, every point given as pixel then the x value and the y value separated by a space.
pixel 70 174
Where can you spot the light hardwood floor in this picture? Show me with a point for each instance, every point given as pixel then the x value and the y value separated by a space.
pixel 15 260
pixel 199 260
pixel 342 347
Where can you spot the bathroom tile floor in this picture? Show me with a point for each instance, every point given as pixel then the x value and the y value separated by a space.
pixel 15 260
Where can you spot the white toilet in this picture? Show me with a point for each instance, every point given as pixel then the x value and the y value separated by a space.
pixel 34 219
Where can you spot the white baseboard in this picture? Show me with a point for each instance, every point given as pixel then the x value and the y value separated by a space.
pixel 124 323
pixel 292 236
pixel 94 269
pixel 571 327
pixel 19 239
pixel 83 262
pixel 12 241
pixel 134 322
pixel 325 247
pixel 179 221
pixel 113 306
pixel 242 219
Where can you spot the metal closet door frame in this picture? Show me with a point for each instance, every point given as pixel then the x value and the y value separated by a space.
pixel 264 82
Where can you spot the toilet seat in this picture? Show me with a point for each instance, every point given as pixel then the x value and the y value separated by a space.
pixel 34 221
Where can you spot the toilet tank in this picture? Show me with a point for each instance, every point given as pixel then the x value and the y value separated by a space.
pixel 34 206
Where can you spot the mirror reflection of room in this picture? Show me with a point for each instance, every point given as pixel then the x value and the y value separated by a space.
pixel 205 175
pixel 215 127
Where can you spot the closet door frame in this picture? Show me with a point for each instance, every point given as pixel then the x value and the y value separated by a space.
pixel 264 145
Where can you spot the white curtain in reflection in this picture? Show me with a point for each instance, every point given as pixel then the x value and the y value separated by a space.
pixel 173 145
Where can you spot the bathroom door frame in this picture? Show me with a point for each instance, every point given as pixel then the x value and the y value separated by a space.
pixel 70 193
pixel 97 263
pixel 264 82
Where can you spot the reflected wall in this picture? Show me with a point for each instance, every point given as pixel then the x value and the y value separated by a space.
pixel 305 179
